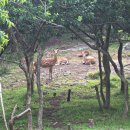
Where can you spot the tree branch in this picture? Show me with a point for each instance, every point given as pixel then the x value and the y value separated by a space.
pixel 93 38
pixel 22 114
pixel 83 39
pixel 13 118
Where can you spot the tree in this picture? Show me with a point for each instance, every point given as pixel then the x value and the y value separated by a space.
pixel 32 27
pixel 95 20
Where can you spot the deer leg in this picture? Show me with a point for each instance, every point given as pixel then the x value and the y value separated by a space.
pixel 50 73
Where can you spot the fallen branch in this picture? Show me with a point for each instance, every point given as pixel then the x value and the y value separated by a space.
pixel 13 118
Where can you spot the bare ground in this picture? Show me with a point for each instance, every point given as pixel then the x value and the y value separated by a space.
pixel 74 73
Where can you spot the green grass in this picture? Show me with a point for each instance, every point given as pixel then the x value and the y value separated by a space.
pixel 113 47
pixel 83 106
pixel 94 75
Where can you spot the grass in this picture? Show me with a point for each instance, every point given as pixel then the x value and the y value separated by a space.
pixel 83 106
pixel 113 47
pixel 93 75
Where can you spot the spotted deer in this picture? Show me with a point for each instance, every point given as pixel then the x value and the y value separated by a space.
pixel 88 60
pixel 86 53
pixel 62 61
pixel 47 63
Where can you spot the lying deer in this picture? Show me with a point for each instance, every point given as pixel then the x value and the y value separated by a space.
pixel 47 63
pixel 86 53
pixel 88 60
pixel 62 61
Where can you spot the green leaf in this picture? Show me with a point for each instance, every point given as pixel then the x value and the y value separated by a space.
pixel 119 31
pixel 51 1
pixel 80 18
pixel 47 13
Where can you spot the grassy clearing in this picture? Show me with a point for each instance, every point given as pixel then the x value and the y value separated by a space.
pixel 83 106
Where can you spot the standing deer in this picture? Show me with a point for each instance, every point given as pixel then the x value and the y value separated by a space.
pixel 47 63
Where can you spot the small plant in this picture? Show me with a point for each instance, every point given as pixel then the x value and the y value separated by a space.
pixel 94 75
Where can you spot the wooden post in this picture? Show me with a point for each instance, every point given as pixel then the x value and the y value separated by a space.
pixel 69 127
pixel 3 110
pixel 68 97
pixel 54 94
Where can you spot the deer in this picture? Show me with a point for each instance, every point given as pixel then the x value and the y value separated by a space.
pixel 88 60
pixel 62 61
pixel 86 53
pixel 47 63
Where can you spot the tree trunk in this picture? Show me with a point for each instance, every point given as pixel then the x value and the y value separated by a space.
pixel 121 64
pixel 98 98
pixel 101 80
pixel 123 79
pixel 32 84
pixel 106 66
pixel 27 68
pixel 28 103
pixel 40 93
pixel 29 64
pixel 126 96
pixel 107 80
pixel 29 61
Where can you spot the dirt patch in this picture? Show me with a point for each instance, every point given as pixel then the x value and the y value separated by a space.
pixel 75 71
pixel 62 74
pixel 49 113
pixel 72 74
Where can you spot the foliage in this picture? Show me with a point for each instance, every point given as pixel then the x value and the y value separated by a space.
pixel 92 17
pixel 5 20
pixel 28 19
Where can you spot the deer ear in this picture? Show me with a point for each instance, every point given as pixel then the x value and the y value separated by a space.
pixel 56 50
